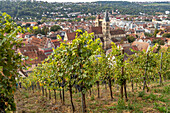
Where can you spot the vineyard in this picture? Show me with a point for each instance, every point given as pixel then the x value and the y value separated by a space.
pixel 82 74
pixel 154 101
pixel 80 67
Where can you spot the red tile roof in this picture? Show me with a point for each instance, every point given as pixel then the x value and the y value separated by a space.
pixel 35 41
pixel 71 36
pixel 117 32
pixel 141 45
pixel 56 42
pixel 32 52
pixel 95 30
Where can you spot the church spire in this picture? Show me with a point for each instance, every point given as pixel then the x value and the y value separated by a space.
pixel 106 17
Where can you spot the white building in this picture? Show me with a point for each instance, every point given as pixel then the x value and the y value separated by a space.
pixel 167 12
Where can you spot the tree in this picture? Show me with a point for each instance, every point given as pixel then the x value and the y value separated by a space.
pixel 55 28
pixel 148 34
pixel 166 35
pixel 155 32
pixel 37 31
pixel 10 62
pixel 44 30
pixel 28 25
pixel 131 39
pixel 159 41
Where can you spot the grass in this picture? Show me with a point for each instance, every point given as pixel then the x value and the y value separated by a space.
pixel 25 94
pixel 157 100
pixel 141 94
pixel 92 98
pixel 161 108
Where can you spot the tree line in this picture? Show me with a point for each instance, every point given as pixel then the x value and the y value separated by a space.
pixel 27 9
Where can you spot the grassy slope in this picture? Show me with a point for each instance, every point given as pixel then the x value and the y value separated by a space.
pixel 155 101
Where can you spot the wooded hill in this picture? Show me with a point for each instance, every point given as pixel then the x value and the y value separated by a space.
pixel 25 9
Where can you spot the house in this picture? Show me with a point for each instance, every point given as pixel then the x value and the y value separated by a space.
pixel 147 40
pixel 141 45
pixel 44 44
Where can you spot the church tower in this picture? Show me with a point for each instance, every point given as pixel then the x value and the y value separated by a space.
pixel 98 21
pixel 106 29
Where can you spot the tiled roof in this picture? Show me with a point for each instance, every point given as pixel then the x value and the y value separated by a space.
pixel 56 42
pixel 41 43
pixel 28 48
pixel 32 55
pixel 25 41
pixel 32 52
pixel 71 36
pixel 95 30
pixel 117 32
pixel 35 41
pixel 141 45
pixel 134 47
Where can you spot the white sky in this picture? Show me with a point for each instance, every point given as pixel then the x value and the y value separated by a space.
pixel 100 0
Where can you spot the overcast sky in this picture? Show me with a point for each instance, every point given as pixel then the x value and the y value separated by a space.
pixel 99 0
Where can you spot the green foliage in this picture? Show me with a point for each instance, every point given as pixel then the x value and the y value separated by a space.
pixel 155 32
pixel 83 62
pixel 148 34
pixel 166 35
pixel 131 39
pixel 151 96
pixel 10 61
pixel 42 31
pixel 161 108
pixel 92 98
pixel 121 104
pixel 25 94
pixel 37 31
pixel 158 41
pixel 141 94
pixel 27 9
pixel 130 106
pixel 55 28
pixel 166 90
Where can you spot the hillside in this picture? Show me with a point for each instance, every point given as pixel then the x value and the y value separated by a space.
pixel 27 9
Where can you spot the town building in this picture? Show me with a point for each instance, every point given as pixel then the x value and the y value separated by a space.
pixel 107 35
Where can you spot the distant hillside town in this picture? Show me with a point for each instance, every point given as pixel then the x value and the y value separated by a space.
pixel 126 32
